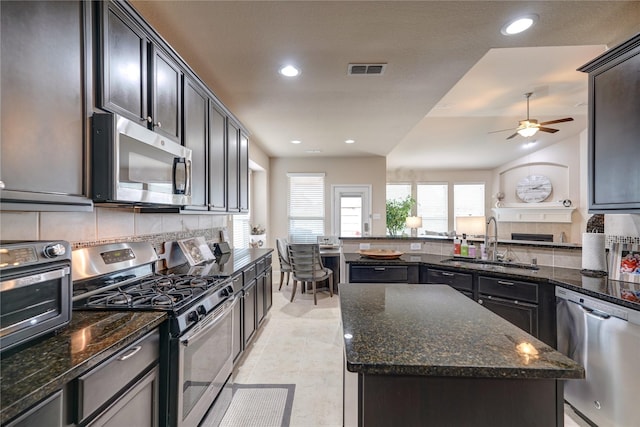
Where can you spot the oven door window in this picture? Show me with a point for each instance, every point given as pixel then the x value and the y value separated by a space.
pixel 205 359
pixel 30 300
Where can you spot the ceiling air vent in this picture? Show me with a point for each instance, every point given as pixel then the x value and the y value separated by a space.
pixel 366 69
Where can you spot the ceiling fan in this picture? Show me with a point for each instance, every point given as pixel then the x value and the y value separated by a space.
pixel 530 127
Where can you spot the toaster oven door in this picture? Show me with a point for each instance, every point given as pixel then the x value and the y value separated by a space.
pixel 33 302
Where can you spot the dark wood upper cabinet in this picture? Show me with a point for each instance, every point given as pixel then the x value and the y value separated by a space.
pixel 196 138
pixel 43 123
pixel 233 156
pixel 217 159
pixel 243 177
pixel 137 78
pixel 614 129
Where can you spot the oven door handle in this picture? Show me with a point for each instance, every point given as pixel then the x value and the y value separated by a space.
pixel 209 322
pixel 20 282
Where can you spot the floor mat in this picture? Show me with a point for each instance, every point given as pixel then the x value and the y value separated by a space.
pixel 260 405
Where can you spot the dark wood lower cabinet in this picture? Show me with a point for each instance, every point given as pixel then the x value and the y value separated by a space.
pixel 249 314
pixel 521 314
pixel 260 298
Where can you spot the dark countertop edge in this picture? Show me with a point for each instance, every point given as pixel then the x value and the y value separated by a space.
pixel 57 383
pixel 466 372
pixel 567 277
pixel 530 243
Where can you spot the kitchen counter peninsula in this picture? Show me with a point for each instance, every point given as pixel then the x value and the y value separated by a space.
pixel 420 354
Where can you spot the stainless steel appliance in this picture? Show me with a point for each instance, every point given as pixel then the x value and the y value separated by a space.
pixel 131 164
pixel 199 359
pixel 35 290
pixel 605 339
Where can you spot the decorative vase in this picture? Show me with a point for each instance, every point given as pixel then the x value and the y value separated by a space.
pixel 257 240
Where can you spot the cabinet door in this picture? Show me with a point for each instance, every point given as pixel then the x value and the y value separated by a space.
pixel 195 138
pixel 217 160
pixel 614 144
pixel 233 146
pixel 138 406
pixel 459 281
pixel 238 332
pixel 268 290
pixel 378 274
pixel 124 65
pixel 249 311
pixel 49 412
pixel 243 177
pixel 166 81
pixel 43 116
pixel 523 315
pixel 260 298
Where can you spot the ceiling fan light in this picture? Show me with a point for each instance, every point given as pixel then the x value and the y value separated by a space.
pixel 528 131
pixel 289 71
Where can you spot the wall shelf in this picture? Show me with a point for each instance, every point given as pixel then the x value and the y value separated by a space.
pixel 537 213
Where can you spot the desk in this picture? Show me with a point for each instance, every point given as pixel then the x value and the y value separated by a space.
pixel 331 259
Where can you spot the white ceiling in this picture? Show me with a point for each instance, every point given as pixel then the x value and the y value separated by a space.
pixel 449 55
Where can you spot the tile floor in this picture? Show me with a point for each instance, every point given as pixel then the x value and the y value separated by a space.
pixel 302 344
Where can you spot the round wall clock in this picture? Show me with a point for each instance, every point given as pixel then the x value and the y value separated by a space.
pixel 534 188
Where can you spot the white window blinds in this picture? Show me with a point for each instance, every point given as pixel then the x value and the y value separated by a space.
pixel 433 202
pixel 241 231
pixel 306 207
pixel 468 200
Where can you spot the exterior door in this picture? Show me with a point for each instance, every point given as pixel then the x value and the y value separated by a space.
pixel 351 210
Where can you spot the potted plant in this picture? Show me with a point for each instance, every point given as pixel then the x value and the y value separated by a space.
pixel 258 236
pixel 397 213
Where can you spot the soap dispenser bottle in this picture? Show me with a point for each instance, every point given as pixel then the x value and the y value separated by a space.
pixel 456 246
pixel 464 246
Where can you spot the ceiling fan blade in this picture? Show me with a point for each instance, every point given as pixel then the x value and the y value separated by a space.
pixel 502 130
pixel 544 129
pixel 551 122
pixel 515 134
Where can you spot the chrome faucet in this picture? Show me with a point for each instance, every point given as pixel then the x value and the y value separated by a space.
pixel 495 237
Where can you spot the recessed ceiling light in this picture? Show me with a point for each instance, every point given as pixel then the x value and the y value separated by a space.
pixel 518 25
pixel 349 141
pixel 289 71
pixel 295 141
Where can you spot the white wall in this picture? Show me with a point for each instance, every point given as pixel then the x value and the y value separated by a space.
pixel 338 170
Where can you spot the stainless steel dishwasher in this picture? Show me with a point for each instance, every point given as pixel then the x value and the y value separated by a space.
pixel 605 339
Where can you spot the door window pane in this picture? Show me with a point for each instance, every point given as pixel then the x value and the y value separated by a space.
pixel 351 216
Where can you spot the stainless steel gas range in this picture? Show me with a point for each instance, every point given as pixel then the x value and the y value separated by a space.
pixel 196 359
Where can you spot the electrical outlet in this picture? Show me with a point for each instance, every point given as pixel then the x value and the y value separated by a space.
pixel 415 246
pixel 365 245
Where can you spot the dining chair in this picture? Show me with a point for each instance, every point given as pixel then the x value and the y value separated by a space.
pixel 307 267
pixel 283 257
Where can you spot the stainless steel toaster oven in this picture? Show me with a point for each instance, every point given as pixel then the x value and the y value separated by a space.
pixel 35 290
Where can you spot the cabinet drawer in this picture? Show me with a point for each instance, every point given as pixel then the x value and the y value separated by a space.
pixel 237 282
pixel 462 281
pixel 379 274
pixel 507 288
pixel 249 273
pixel 100 385
pixel 260 265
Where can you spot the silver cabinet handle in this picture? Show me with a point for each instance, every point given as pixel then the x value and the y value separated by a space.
pixel 379 269
pixel 131 353
pixel 505 283
pixel 444 273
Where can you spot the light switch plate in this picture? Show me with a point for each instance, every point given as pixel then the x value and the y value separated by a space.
pixel 365 245
pixel 415 246
pixel 377 216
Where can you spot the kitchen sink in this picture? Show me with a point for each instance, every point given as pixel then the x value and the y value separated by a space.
pixel 487 263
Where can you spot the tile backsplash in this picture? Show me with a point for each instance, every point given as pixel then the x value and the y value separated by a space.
pixel 108 225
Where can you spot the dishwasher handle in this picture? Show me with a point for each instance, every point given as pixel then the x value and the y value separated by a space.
pixel 594 313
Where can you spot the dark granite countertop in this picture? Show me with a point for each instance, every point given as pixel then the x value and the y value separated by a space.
pixel 621 293
pixel 44 367
pixel 229 264
pixel 393 329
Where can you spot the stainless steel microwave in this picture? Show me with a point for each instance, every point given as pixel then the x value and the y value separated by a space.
pixel 131 164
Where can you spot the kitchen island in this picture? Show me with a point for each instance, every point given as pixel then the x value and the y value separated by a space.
pixel 418 355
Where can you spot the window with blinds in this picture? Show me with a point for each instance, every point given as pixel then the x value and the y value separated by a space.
pixel 468 200
pixel 398 191
pixel 432 205
pixel 306 207
pixel 241 231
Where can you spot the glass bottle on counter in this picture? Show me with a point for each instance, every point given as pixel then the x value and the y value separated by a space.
pixel 464 246
pixel 456 246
